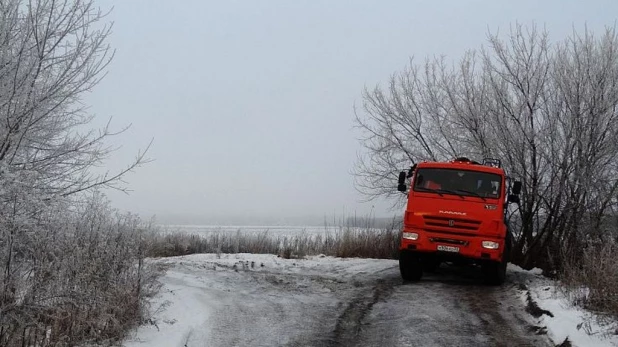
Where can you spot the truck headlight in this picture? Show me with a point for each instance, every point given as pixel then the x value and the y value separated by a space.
pixel 410 236
pixel 490 245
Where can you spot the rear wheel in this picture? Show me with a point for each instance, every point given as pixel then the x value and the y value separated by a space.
pixel 410 267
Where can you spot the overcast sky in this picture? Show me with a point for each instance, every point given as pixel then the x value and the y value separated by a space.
pixel 250 103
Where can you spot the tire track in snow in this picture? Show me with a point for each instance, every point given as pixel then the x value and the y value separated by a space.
pixel 350 322
pixel 502 319
pixel 290 305
pixel 446 309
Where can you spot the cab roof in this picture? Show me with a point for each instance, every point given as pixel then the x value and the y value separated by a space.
pixel 461 164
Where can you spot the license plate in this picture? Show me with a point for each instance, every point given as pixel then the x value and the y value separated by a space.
pixel 448 248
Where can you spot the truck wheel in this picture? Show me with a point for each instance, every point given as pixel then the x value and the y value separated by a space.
pixel 410 267
pixel 430 265
pixel 494 272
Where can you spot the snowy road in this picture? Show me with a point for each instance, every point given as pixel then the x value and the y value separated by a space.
pixel 262 300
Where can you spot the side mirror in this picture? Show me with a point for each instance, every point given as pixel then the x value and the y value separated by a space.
pixel 514 198
pixel 516 188
pixel 402 182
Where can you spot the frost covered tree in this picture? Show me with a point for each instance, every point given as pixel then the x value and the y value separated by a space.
pixel 549 111
pixel 51 53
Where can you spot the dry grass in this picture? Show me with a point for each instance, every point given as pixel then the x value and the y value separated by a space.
pixel 590 279
pixel 347 242
pixel 79 279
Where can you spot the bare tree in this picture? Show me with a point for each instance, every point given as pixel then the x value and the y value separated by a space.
pixel 548 111
pixel 51 53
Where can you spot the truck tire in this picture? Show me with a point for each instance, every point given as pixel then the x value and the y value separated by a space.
pixel 410 267
pixel 431 265
pixel 494 272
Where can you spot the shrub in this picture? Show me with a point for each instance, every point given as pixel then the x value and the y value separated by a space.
pixel 591 279
pixel 345 242
pixel 77 276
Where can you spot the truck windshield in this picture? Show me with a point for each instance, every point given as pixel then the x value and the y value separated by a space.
pixel 458 182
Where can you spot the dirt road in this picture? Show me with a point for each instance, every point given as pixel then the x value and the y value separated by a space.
pixel 333 302
pixel 439 311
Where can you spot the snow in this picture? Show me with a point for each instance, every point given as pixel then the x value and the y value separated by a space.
pixel 581 327
pixel 255 230
pixel 276 231
pixel 195 288
pixel 180 310
pixel 198 289
pixel 516 269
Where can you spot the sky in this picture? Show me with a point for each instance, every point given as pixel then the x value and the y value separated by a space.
pixel 250 104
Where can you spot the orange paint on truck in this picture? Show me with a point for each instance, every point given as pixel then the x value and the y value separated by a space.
pixel 456 211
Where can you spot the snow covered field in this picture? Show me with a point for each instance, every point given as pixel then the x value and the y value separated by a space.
pixel 263 300
pixel 273 231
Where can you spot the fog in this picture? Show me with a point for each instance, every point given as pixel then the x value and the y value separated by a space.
pixel 251 104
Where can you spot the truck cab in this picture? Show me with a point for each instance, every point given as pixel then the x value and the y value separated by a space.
pixel 456 212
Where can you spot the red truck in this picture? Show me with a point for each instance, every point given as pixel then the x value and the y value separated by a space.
pixel 456 212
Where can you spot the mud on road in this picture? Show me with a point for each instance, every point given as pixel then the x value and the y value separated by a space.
pixel 446 309
pixel 336 307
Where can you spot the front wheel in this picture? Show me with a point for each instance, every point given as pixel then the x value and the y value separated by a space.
pixel 494 272
pixel 410 267
pixel 431 265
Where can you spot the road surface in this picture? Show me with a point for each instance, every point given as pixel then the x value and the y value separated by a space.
pixel 251 300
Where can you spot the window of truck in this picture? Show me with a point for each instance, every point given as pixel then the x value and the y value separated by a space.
pixel 458 182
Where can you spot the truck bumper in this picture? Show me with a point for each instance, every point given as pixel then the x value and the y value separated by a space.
pixel 454 247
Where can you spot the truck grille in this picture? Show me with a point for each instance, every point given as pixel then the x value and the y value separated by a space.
pixel 448 241
pixel 451 224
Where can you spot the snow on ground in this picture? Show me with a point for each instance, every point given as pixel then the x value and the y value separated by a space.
pixel 272 231
pixel 180 312
pixel 206 295
pixel 186 308
pixel 582 328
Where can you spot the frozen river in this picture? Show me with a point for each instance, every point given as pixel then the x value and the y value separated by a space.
pixel 273 231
